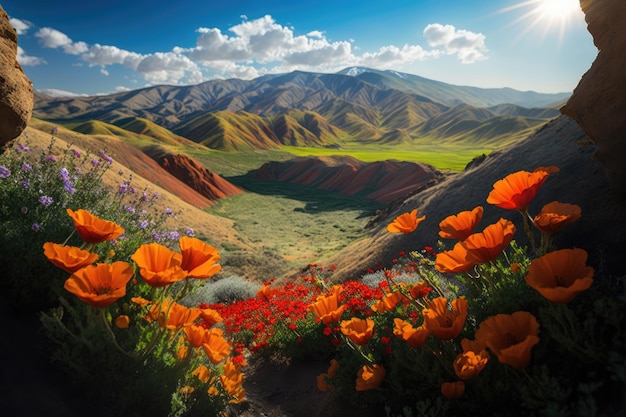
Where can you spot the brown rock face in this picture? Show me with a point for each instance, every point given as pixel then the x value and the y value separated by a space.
pixel 16 90
pixel 598 104
pixel 205 182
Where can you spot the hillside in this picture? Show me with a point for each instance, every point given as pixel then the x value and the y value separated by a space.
pixel 383 182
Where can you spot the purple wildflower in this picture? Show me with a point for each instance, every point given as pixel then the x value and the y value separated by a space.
pixel 143 224
pixel 25 185
pixel 106 157
pixel 168 211
pixel 35 227
pixel 174 235
pixel 24 209
pixel 4 172
pixel 50 158
pixel 54 130
pixel 69 187
pixel 45 200
pixel 76 153
pixel 123 187
pixel 189 232
pixel 130 209
pixel 64 174
pixel 95 162
pixel 26 167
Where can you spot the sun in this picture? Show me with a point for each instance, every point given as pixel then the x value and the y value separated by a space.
pixel 547 15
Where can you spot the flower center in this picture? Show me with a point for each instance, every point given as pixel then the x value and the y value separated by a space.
pixel 103 289
pixel 510 339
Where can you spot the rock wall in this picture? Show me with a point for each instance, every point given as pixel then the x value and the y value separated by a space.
pixel 16 90
pixel 598 103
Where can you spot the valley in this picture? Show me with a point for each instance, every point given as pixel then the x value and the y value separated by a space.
pixel 192 140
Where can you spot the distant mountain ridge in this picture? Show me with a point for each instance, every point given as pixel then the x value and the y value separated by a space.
pixel 307 109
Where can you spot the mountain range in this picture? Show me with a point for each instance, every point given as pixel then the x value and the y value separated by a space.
pixel 307 109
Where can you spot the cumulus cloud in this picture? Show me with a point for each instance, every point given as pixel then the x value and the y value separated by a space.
pixel 27 60
pixel 21 26
pixel 260 46
pixel 469 47
pixel 52 38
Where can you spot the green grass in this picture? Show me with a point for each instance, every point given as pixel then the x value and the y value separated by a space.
pixel 295 221
pixel 445 157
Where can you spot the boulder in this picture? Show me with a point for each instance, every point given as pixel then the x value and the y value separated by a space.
pixel 16 90
pixel 598 103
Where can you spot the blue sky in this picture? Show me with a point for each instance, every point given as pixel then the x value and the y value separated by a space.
pixel 87 47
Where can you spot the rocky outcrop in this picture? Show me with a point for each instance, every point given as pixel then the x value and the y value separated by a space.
pixel 16 90
pixel 598 104
pixel 196 176
pixel 384 181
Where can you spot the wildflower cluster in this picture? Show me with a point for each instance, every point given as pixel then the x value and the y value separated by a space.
pixel 482 326
pixel 146 330
pixel 37 186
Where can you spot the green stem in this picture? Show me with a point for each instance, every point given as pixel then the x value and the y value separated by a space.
pixel 107 325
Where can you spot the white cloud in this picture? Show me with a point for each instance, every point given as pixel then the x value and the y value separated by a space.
pixel 391 56
pixel 27 60
pixel 104 72
pixel 469 47
pixel 21 26
pixel 52 38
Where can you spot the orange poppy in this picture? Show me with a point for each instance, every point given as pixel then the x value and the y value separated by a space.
pixel 468 365
pixel 179 316
pixel 68 258
pixel 370 377
pixel 358 330
pixel 140 300
pixel 322 379
pixel 453 390
pixel 122 322
pixel 414 337
pixel 215 346
pixel 420 290
pixel 102 284
pixel 327 308
pixel 405 223
pixel 265 293
pixel 455 260
pixel 195 335
pixel 210 316
pixel 232 380
pixel 462 225
pixel 388 302
pixel 183 350
pixel 560 275
pixel 510 337
pixel 442 322
pixel 158 265
pixel 203 373
pixel 554 216
pixel 517 190
pixel 488 245
pixel 93 229
pixel 198 258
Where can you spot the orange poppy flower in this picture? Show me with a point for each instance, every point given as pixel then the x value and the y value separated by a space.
pixel 265 293
pixel 210 316
pixel 358 330
pixel 462 225
pixel 468 365
pixel 140 300
pixel 158 265
pixel 68 258
pixel 195 335
pixel 414 337
pixel 517 190
pixel 453 390
pixel 388 302
pixel 510 337
pixel 183 349
pixel 179 316
pixel 488 245
pixel 215 346
pixel 327 308
pixel 455 260
pixel 560 275
pixel 232 380
pixel 102 284
pixel 420 290
pixel 93 229
pixel 554 216
pixel 405 223
pixel 203 373
pixel 198 258
pixel 322 379
pixel 370 377
pixel 442 322
pixel 122 322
